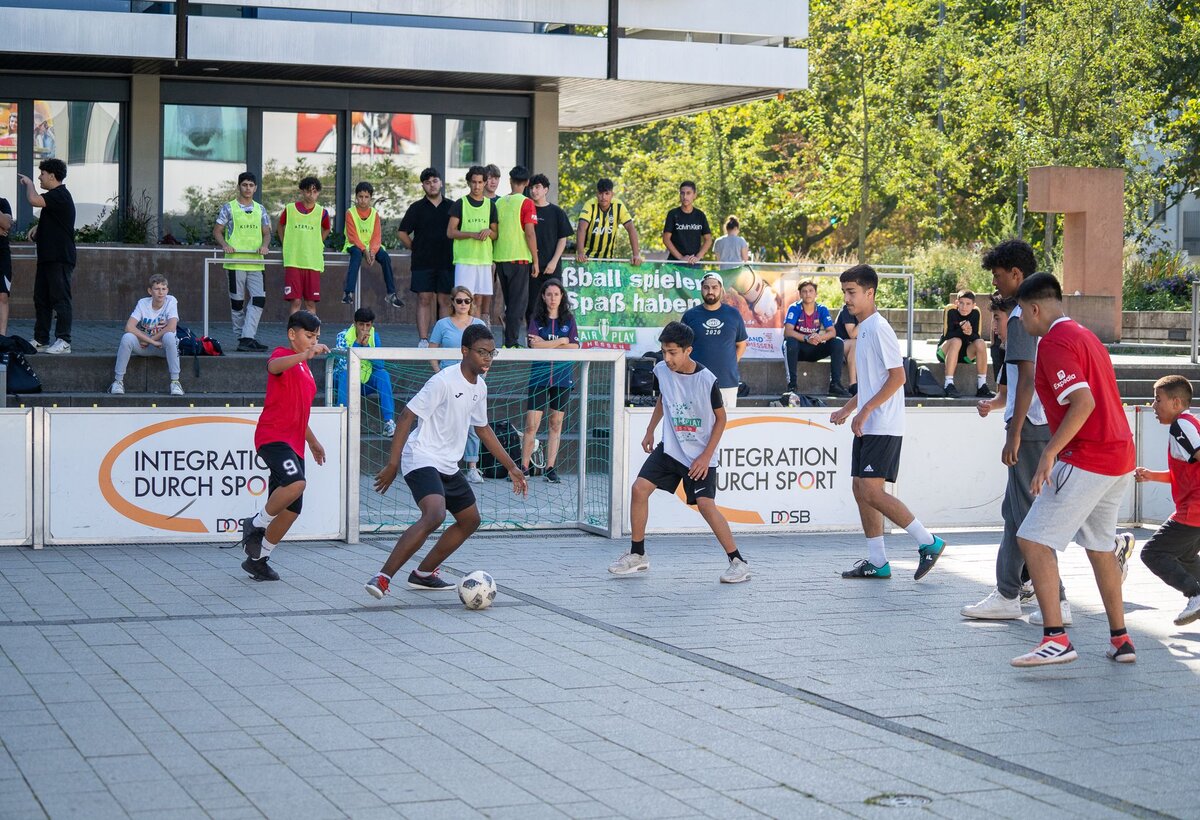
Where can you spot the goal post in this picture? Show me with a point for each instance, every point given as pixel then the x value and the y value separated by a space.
pixel 589 495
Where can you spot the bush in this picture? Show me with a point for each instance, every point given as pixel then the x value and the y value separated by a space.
pixel 1162 281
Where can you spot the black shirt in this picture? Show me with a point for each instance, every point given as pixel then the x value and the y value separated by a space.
pixel 56 227
pixel 552 225
pixel 5 253
pixel 844 317
pixel 687 231
pixel 952 325
pixel 426 223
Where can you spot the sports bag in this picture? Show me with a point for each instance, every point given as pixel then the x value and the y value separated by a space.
pixel 510 440
pixel 21 378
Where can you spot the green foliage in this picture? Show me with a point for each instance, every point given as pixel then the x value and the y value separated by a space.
pixel 1161 281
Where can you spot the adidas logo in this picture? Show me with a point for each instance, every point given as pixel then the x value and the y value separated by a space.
pixel 868 469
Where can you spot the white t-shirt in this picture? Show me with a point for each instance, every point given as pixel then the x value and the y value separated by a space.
pixel 1024 348
pixel 689 403
pixel 151 321
pixel 877 352
pixel 446 408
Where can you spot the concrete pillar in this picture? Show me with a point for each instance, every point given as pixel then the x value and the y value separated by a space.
pixel 543 126
pixel 144 171
pixel 1092 201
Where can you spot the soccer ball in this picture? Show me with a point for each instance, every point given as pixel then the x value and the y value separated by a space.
pixel 477 590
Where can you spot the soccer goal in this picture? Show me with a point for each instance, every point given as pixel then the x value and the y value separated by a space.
pixel 587 494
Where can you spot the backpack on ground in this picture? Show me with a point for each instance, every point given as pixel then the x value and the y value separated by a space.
pixel 927 384
pixel 192 345
pixel 639 377
pixel 911 377
pixel 510 440
pixel 20 376
pixel 802 400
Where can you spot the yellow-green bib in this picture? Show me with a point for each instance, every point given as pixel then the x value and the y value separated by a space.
pixel 366 366
pixel 302 244
pixel 475 218
pixel 245 235
pixel 365 228
pixel 510 240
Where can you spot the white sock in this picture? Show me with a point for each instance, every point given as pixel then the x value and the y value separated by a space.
pixel 980 380
pixel 917 530
pixel 420 574
pixel 382 574
pixel 267 546
pixel 263 519
pixel 949 381
pixel 876 554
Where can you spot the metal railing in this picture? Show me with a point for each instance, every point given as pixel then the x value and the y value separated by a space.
pixel 1195 341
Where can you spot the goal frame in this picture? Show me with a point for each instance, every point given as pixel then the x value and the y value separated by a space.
pixel 584 357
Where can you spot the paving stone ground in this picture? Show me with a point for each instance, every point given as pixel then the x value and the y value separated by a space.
pixel 160 682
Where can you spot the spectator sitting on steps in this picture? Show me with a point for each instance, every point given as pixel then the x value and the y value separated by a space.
pixel 373 376
pixel 150 331
pixel 809 336
pixel 961 341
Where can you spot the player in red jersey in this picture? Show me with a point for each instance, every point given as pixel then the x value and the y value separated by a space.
pixel 280 437
pixel 1084 473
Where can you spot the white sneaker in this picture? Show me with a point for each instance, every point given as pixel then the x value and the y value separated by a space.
pixel 424 343
pixel 737 572
pixel 995 607
pixel 474 476
pixel 630 564
pixel 1190 612
pixel 1049 651
pixel 117 388
pixel 1125 545
pixel 58 347
pixel 1035 617
pixel 176 388
pixel 389 428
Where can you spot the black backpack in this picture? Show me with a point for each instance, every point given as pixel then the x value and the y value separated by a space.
pixel 639 377
pixel 927 384
pixel 911 377
pixel 510 440
pixel 21 378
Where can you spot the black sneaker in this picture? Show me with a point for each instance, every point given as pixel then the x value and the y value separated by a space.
pixel 394 300
pixel 839 390
pixel 929 555
pixel 952 391
pixel 434 582
pixel 258 346
pixel 984 392
pixel 260 570
pixel 252 538
pixel 552 476
pixel 865 569
pixel 348 298
pixel 246 345
pixel 854 389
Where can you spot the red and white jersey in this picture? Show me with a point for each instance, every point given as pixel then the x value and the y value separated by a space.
pixel 1185 469
pixel 287 405
pixel 1070 358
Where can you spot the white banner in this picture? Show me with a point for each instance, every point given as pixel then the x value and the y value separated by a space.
pixel 16 502
pixel 1157 503
pixel 176 475
pixel 789 470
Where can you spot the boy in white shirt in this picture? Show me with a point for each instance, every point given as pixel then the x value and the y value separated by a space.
pixel 878 431
pixel 691 403
pixel 452 401
pixel 150 331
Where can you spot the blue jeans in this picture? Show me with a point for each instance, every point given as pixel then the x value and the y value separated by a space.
pixel 471 451
pixel 385 262
pixel 378 383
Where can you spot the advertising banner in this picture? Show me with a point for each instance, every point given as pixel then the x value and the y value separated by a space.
pixel 16 502
pixel 620 306
pixel 176 475
pixel 780 470
pixel 1157 504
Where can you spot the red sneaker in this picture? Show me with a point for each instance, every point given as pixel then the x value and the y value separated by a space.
pixel 377 587
pixel 1121 650
pixel 1051 650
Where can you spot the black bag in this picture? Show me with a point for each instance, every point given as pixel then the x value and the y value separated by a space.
pixel 743 390
pixel 16 344
pixel 639 377
pixel 192 345
pixel 927 384
pixel 802 400
pixel 910 377
pixel 510 440
pixel 21 378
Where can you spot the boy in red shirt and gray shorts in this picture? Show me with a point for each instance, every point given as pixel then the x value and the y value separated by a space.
pixel 1084 474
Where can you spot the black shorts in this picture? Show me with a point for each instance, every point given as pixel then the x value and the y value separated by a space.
pixel 544 396
pixel 432 280
pixel 286 468
pixel 454 488
pixel 665 472
pixel 876 457
pixel 963 358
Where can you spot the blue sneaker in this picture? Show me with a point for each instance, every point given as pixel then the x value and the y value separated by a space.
pixel 865 569
pixel 929 556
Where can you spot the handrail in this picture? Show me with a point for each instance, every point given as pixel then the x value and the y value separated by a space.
pixel 1195 321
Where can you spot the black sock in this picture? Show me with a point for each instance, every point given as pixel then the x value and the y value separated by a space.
pixel 638 547
pixel 1116 633
pixel 1053 631
pixel 735 554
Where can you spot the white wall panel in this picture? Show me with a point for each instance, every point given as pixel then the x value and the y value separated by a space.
pixel 713 64
pixel 771 18
pixel 107 34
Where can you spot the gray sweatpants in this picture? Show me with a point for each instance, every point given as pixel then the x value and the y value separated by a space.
pixel 132 346
pixel 1017 501
pixel 246 301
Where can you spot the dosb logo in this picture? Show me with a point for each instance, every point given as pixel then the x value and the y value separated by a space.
pixel 228 525
pixel 790 517
pixel 713 326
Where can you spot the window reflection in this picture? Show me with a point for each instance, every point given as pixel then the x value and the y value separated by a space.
pixel 477 142
pixel 204 150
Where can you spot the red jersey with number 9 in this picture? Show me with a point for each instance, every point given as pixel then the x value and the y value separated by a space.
pixel 287 406
pixel 1070 358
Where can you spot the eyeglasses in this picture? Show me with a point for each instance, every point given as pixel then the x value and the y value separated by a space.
pixel 485 353
pixel 462 301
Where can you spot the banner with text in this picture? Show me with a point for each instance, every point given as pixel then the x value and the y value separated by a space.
pixel 622 306
pixel 16 502
pixel 177 475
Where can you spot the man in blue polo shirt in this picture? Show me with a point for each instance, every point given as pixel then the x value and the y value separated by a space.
pixel 720 336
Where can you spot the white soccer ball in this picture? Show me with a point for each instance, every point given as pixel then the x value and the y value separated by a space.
pixel 477 590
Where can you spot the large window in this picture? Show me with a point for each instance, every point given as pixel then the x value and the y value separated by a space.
pixel 390 150
pixel 204 150
pixel 8 154
pixel 296 145
pixel 87 136
pixel 477 142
